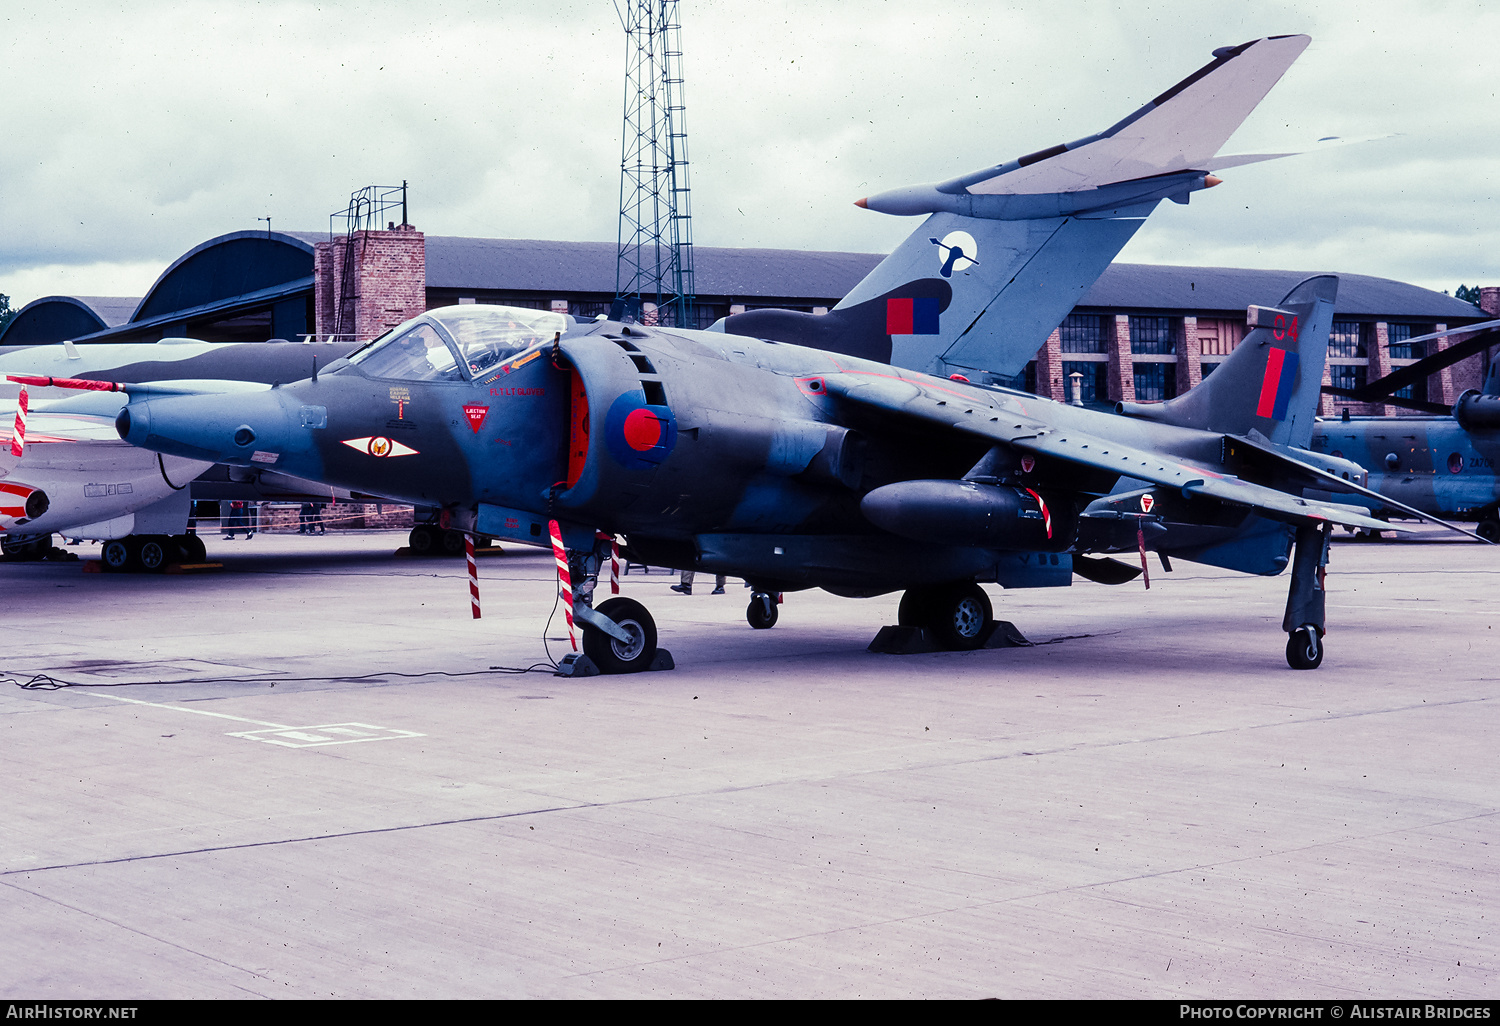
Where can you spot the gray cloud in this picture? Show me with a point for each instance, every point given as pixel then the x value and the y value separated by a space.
pixel 133 132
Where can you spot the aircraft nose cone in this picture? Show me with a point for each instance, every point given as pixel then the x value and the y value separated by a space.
pixel 221 428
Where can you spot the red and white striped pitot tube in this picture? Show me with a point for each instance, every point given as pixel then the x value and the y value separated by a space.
pixel 18 440
pixel 564 579
pixel 473 574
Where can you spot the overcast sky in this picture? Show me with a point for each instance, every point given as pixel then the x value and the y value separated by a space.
pixel 134 131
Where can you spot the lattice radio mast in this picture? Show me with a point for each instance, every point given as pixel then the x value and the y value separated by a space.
pixel 655 255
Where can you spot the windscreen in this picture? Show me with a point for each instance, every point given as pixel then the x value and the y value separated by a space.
pixel 417 354
pixel 486 335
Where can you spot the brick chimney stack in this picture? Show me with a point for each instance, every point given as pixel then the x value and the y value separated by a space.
pixel 387 272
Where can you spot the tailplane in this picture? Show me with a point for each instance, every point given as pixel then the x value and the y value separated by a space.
pixel 1007 251
pixel 1271 382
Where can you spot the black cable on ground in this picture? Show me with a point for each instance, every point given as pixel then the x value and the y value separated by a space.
pixel 45 682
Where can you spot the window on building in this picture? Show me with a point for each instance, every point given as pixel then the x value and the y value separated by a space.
pixel 1217 338
pixel 1347 375
pixel 1154 336
pixel 1086 333
pixel 1402 349
pixel 1155 382
pixel 1207 368
pixel 1346 339
pixel 1095 380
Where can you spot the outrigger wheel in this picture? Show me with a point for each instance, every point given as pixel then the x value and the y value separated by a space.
pixel 762 612
pixel 612 655
pixel 1304 648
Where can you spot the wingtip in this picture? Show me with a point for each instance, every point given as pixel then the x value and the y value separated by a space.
pixel 863 203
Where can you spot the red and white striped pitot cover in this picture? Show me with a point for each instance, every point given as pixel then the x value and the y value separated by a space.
pixel 473 574
pixel 18 440
pixel 564 579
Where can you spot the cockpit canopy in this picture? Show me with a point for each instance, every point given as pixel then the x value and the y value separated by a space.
pixel 457 343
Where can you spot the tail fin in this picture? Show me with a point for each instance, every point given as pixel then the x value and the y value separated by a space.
pixel 1008 250
pixel 1272 380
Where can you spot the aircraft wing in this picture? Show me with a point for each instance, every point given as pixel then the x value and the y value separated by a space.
pixel 1191 479
pixel 1310 476
pixel 977 414
pixel 1180 130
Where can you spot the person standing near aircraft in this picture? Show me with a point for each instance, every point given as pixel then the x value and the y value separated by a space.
pixel 685 585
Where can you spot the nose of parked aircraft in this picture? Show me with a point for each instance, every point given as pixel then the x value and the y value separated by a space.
pixel 239 429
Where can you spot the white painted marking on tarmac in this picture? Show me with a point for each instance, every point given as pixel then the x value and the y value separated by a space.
pixel 200 712
pixel 288 736
pixel 332 734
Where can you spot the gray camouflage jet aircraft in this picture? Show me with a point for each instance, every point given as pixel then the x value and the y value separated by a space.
pixel 796 468
pixel 1004 254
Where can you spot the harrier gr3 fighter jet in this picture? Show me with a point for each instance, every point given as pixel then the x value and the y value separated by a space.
pixel 1005 254
pixel 796 468
pixel 1443 463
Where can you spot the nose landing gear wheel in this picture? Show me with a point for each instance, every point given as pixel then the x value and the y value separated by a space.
pixel 762 611
pixel 1304 649
pixel 612 655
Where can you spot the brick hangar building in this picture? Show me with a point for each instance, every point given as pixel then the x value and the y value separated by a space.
pixel 1143 332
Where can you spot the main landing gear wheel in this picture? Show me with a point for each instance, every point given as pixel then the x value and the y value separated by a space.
pixel 762 611
pixel 958 615
pixel 36 548
pixel 1304 648
pixel 115 554
pixel 955 614
pixel 193 549
pixel 422 540
pixel 453 543
pixel 612 655
pixel 151 553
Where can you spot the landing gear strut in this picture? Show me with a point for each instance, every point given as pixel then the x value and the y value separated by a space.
pixel 619 636
pixel 1304 621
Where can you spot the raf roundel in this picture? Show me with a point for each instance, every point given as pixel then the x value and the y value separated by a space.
pixel 638 435
pixel 642 429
